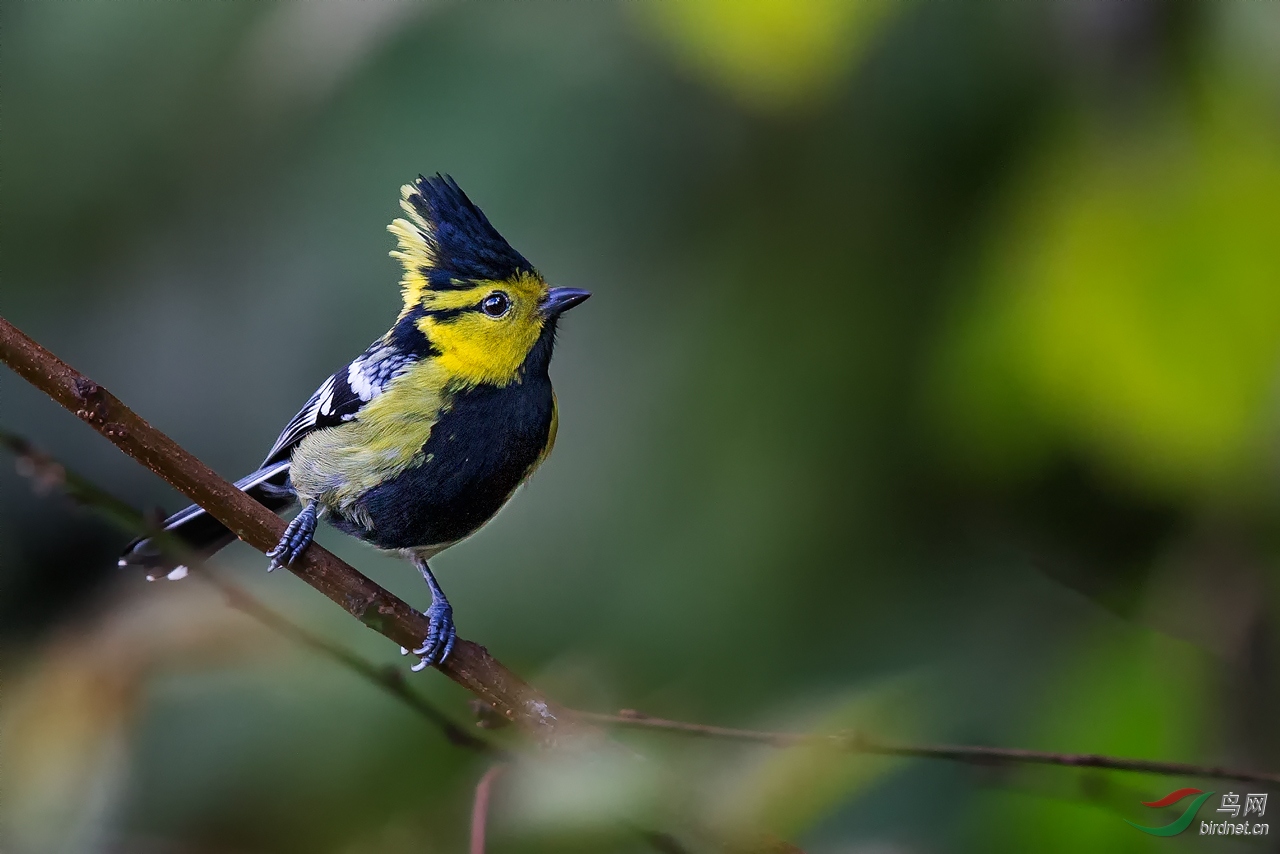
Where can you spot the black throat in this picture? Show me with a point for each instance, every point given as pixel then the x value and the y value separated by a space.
pixel 538 361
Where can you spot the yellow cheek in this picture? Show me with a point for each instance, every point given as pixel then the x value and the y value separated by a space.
pixel 477 349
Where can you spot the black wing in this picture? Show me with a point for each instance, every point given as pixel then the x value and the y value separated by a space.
pixel 203 534
pixel 332 404
pixel 341 397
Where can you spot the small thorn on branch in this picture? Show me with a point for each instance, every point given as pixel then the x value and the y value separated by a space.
pixel 93 400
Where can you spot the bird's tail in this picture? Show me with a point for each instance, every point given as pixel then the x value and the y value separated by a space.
pixel 201 533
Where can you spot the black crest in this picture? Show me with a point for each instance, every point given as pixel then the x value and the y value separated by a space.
pixel 462 244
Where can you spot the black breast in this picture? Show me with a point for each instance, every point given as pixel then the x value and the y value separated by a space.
pixel 479 452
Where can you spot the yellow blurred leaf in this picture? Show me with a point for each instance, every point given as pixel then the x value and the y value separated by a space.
pixel 769 53
pixel 1131 306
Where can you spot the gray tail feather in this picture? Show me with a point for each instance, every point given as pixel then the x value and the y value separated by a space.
pixel 203 534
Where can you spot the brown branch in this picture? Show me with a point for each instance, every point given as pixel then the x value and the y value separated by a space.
pixel 470 665
pixel 858 743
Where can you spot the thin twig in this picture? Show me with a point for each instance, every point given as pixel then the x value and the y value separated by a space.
pixel 975 755
pixel 388 679
pixel 480 807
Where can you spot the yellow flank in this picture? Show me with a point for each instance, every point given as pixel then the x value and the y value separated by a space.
pixel 338 465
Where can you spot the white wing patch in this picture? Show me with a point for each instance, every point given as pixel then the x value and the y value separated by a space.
pixel 344 394
pixel 318 406
pixel 360 381
pixel 323 403
pixel 370 374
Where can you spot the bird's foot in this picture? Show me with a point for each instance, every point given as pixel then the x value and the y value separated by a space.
pixel 440 635
pixel 296 538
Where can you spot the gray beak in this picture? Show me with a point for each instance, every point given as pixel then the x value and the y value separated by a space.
pixel 560 300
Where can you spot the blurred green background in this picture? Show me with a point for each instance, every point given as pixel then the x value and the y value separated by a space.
pixel 930 386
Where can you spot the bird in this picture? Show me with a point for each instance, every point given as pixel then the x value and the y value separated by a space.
pixel 416 443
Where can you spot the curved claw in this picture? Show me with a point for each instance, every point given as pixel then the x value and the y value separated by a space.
pixel 295 540
pixel 440 636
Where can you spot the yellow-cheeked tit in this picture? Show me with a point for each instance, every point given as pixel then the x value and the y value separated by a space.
pixel 420 440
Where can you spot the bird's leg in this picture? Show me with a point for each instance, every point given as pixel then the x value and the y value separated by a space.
pixel 296 538
pixel 440 634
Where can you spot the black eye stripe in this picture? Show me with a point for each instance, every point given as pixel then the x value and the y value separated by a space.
pixel 500 307
pixel 444 315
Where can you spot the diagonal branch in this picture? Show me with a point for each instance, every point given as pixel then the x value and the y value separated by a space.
pixel 387 678
pixel 470 665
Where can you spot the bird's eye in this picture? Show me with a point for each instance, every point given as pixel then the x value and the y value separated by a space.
pixel 495 304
